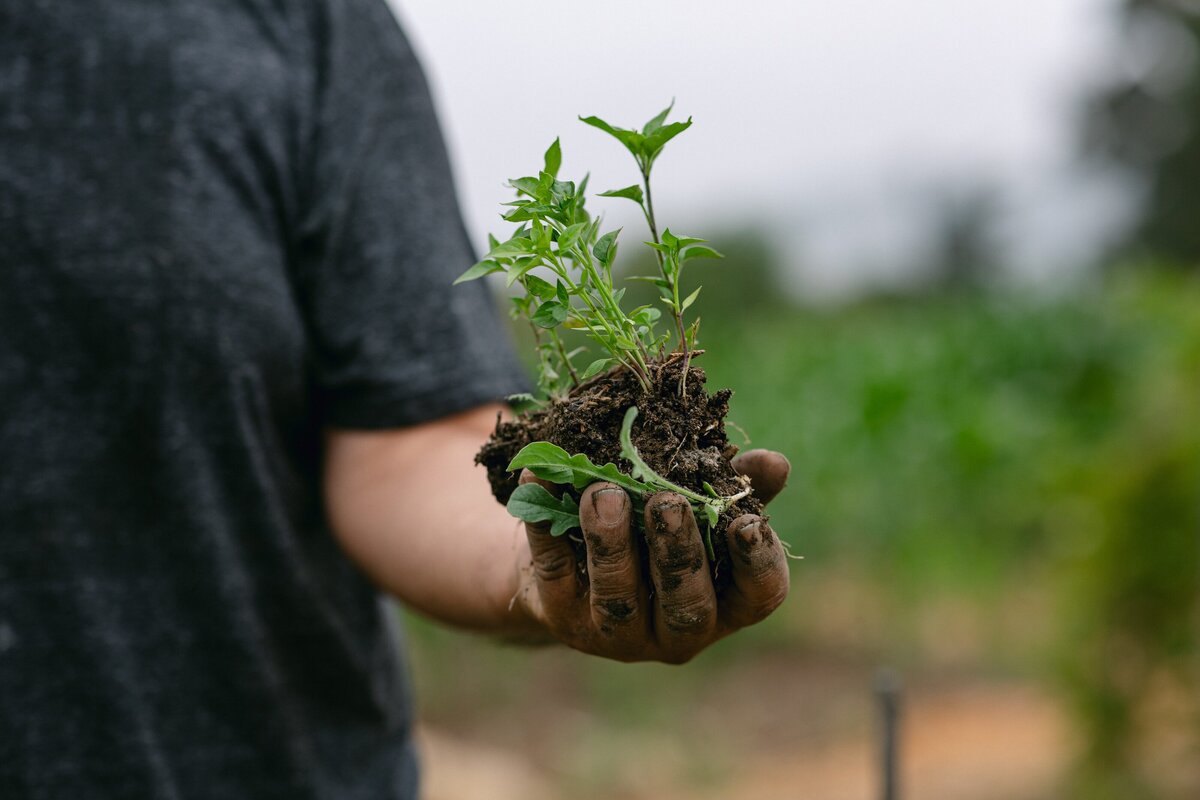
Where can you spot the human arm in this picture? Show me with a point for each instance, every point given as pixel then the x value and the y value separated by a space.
pixel 410 508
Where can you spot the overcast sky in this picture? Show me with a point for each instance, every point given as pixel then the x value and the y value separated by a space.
pixel 819 118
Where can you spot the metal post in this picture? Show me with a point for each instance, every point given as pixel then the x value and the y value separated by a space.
pixel 887 694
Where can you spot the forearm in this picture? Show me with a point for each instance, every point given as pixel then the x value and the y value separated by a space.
pixel 412 509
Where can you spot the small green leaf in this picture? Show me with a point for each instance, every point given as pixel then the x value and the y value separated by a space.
pixel 516 246
pixel 656 122
pixel 712 514
pixel 596 367
pixel 699 252
pixel 538 287
pixel 631 139
pixel 526 185
pixel 570 236
pixel 605 249
pixel 553 158
pixel 519 268
pixel 532 503
pixel 560 291
pixel 523 402
pixel 652 145
pixel 550 314
pixel 709 489
pixel 485 267
pixel 691 298
pixel 670 240
pixel 633 193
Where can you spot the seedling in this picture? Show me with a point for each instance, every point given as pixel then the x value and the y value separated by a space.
pixel 581 423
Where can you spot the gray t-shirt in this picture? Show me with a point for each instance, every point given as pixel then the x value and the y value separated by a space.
pixel 224 226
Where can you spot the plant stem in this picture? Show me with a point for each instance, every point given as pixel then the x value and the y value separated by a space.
pixel 562 353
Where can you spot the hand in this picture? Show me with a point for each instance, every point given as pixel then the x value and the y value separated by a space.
pixel 674 612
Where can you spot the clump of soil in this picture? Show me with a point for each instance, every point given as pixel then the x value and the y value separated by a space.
pixel 682 438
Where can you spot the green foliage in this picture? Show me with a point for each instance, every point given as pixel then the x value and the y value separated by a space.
pixel 532 503
pixel 557 236
pixel 552 463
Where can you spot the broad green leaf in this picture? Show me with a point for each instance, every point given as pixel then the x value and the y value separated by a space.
pixel 691 298
pixel 519 269
pixel 526 185
pixel 605 249
pixel 662 248
pixel 656 122
pixel 538 287
pixel 669 239
pixel 485 267
pixel 532 503
pixel 551 463
pixel 596 367
pixel 633 193
pixel 632 140
pixel 560 291
pixel 699 252
pixel 516 246
pixel 570 236
pixel 550 314
pixel 652 145
pixel 553 158
pixel 517 215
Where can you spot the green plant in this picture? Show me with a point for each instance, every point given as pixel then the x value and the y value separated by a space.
pixel 558 236
pixel 532 503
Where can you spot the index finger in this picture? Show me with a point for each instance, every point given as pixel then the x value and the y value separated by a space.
pixel 554 567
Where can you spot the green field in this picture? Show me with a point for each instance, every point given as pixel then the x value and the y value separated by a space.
pixel 983 484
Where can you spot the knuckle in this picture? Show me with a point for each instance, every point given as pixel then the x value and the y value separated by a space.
pixel 690 617
pixel 553 566
pixel 618 609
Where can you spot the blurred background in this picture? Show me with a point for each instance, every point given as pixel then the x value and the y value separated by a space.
pixel 962 294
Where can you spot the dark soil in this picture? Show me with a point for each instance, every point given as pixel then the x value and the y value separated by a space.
pixel 681 438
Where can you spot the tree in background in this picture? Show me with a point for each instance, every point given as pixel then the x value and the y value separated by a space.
pixel 1148 122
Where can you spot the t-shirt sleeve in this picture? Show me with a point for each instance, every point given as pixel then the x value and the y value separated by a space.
pixel 381 241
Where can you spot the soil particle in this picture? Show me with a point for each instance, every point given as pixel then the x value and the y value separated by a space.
pixel 681 437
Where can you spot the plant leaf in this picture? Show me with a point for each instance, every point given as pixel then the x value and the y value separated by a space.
pixel 605 249
pixel 633 193
pixel 553 158
pixel 656 122
pixel 699 252
pixel 538 287
pixel 691 298
pixel 485 267
pixel 550 314
pixel 532 503
pixel 596 367
pixel 551 463
pixel 652 145
pixel 523 402
pixel 631 139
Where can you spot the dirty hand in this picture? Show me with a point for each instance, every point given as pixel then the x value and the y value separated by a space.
pixel 674 612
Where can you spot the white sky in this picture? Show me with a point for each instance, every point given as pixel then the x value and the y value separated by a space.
pixel 820 118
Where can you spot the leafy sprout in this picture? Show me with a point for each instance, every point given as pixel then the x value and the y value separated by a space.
pixel 564 263
pixel 532 503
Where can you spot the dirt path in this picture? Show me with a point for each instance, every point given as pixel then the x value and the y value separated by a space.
pixel 975 742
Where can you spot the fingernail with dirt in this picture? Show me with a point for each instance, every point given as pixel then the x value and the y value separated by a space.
pixel 668 517
pixel 610 505
pixel 747 536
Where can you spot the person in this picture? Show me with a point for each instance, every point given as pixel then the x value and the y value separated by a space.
pixel 239 397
